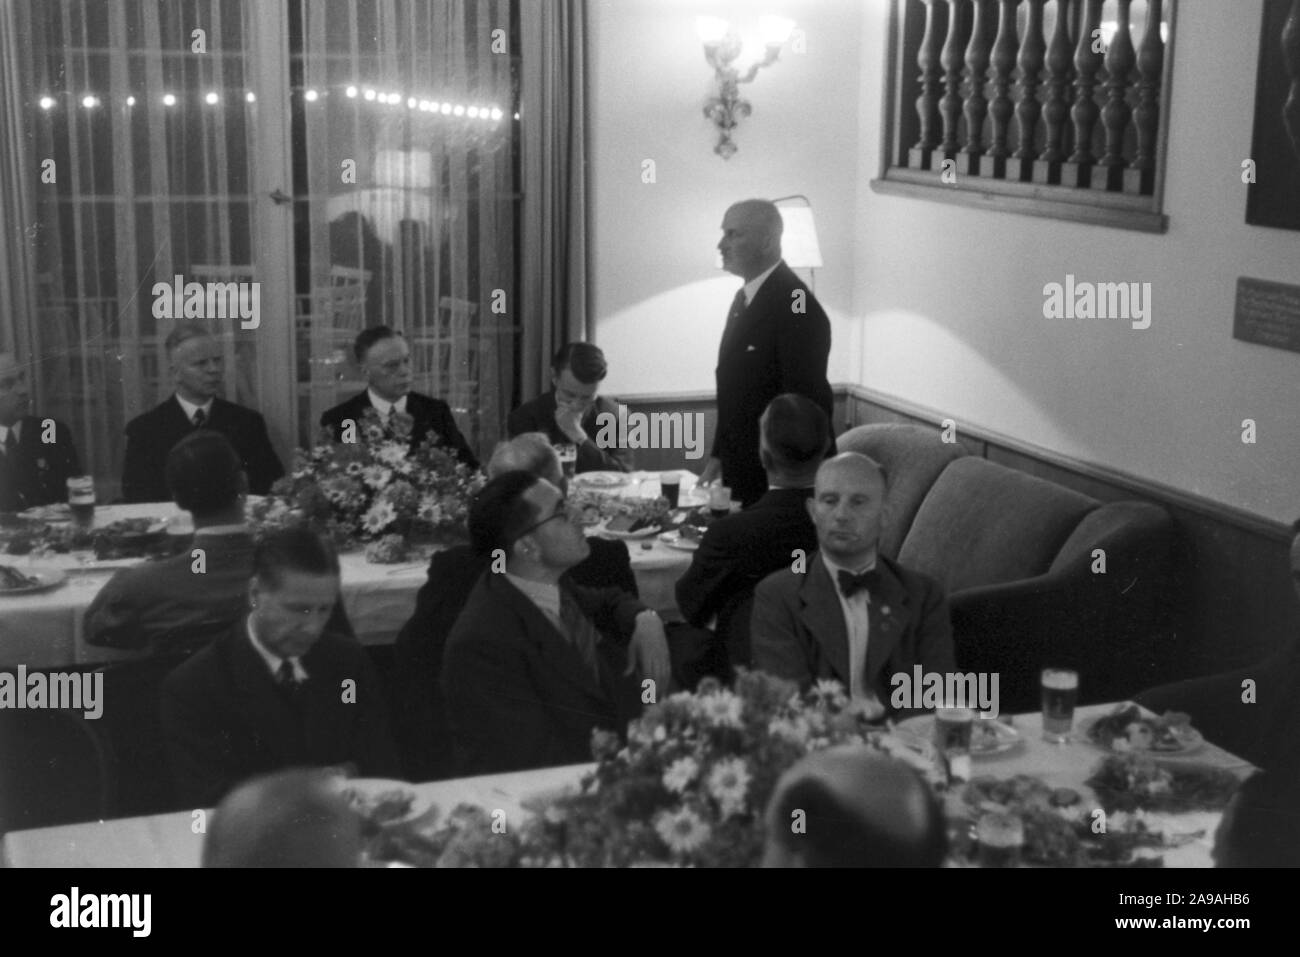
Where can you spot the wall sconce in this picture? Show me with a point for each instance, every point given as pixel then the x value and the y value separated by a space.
pixel 722 45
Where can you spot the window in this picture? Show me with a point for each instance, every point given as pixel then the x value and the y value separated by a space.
pixel 1043 107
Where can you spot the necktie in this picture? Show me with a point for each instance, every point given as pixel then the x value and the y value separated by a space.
pixel 851 584
pixel 581 633
pixel 733 319
pixel 200 418
pixel 286 678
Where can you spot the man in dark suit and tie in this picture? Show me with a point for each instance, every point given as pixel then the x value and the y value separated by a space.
pixel 36 454
pixel 279 690
pixel 535 664
pixel 385 361
pixel 740 550
pixel 419 714
pixel 197 367
pixel 568 414
pixel 777 339
pixel 852 616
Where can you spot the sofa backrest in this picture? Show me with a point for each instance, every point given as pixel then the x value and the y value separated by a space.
pixel 984 524
pixel 912 457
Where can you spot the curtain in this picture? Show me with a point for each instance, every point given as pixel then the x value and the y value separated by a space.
pixel 408 198
pixel 125 160
pixel 554 221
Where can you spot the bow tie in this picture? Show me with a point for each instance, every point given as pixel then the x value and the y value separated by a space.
pixel 850 584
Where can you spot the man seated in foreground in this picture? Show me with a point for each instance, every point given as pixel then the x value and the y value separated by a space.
pixel 853 615
pixel 568 413
pixel 279 689
pixel 739 551
pixel 420 722
pixel 296 818
pixel 534 664
pixel 850 807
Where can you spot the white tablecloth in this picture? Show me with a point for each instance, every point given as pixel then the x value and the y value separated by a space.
pixel 45 630
pixel 168 840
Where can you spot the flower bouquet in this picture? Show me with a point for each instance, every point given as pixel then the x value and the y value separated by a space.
pixel 377 491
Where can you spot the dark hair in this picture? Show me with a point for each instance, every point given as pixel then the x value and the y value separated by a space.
pixel 796 431
pixel 368 337
pixel 1262 828
pixel 295 549
pixel 203 473
pixel 585 361
pixel 499 512
pixel 836 836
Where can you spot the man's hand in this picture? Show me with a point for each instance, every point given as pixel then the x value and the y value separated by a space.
pixel 568 419
pixel 647 652
pixel 712 472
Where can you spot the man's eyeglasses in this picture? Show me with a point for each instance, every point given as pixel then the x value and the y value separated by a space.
pixel 562 510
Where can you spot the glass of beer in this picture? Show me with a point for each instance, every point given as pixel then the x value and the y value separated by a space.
pixel 952 736
pixel 670 486
pixel 1060 692
pixel 81 499
pixel 719 501
pixel 568 454
pixel 1000 838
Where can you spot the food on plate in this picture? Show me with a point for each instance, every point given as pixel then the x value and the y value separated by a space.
pixel 131 538
pixel 630 523
pixel 11 579
pixel 1065 797
pixel 1127 730
pixel 691 533
pixel 989 734
pixel 382 807
pixel 1130 782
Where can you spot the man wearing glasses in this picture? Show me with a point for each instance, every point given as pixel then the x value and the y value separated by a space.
pixel 385 361
pixel 36 454
pixel 534 665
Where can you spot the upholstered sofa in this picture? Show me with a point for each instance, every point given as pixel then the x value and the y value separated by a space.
pixel 1017 554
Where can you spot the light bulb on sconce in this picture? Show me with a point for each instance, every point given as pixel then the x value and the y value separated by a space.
pixel 722 46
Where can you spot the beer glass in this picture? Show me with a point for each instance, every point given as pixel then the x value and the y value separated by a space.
pixel 952 736
pixel 670 486
pixel 1060 692
pixel 568 454
pixel 1000 838
pixel 81 498
pixel 719 501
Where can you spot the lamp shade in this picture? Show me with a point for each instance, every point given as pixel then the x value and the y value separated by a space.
pixel 775 30
pixel 799 247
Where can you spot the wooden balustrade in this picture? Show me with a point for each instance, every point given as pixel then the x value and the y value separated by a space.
pixel 1013 103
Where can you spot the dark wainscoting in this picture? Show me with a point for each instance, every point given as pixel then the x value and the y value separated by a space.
pixel 1242 603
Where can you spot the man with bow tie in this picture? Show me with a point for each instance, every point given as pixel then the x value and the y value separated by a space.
pixel 777 339
pixel 198 369
pixel 385 361
pixel 36 454
pixel 848 613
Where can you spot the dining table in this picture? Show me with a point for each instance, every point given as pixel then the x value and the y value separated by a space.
pixel 46 629
pixel 172 840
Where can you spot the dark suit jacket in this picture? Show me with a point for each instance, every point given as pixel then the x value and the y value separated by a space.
pixel 225 720
pixel 798 628
pixel 539 416
pixel 430 415
pixel 518 694
pixel 36 473
pixel 772 350
pixel 419 711
pixel 149 437
pixel 738 552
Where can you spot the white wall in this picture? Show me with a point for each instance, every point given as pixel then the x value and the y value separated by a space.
pixel 950 299
pixel 659 299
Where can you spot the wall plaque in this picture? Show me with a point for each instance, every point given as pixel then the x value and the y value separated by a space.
pixel 1267 313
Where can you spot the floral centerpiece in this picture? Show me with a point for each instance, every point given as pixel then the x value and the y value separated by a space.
pixel 376 491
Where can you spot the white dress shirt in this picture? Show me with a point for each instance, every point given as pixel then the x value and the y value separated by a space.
pixel 751 288
pixel 4 434
pixel 273 660
pixel 857 621
pixel 190 408
pixel 384 407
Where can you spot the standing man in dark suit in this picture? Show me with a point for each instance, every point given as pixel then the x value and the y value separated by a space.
pixel 777 339
pixel 197 367
pixel 740 550
pixel 534 664
pixel 419 715
pixel 568 413
pixel 36 454
pixel 385 361
pixel 279 690
pixel 853 616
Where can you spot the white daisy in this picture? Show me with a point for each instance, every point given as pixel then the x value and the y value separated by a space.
pixel 680 774
pixel 378 517
pixel 722 709
pixel 682 831
pixel 728 782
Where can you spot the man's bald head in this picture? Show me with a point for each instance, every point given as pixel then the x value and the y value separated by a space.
pixel 751 238
pixel 859 808
pixel 530 452
pixel 848 497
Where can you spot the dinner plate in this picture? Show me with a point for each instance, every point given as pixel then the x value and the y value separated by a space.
pixel 1192 742
pixel 47 577
pixel 364 793
pixel 675 540
pixel 989 736
pixel 604 529
pixel 58 512
pixel 600 479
